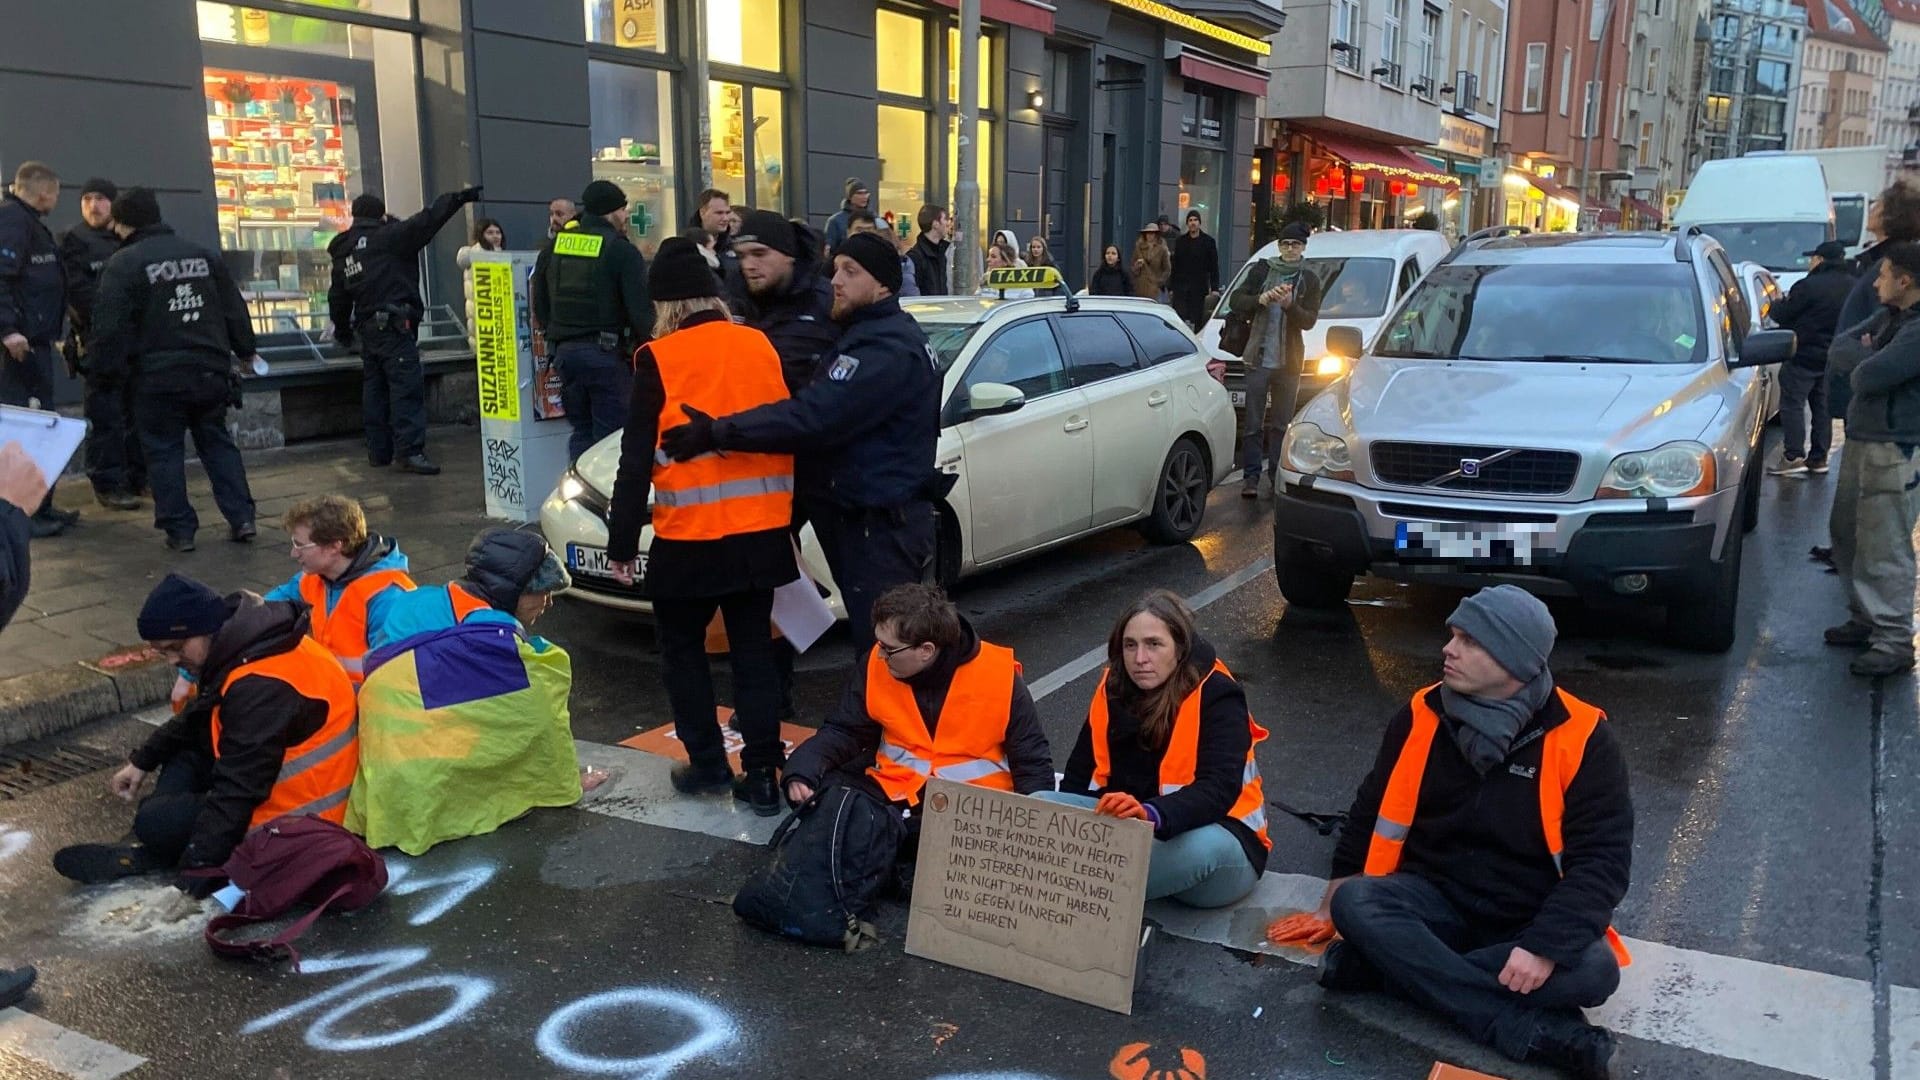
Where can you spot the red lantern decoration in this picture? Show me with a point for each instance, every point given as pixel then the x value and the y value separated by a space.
pixel 1357 182
pixel 1412 190
pixel 1281 181
pixel 1396 187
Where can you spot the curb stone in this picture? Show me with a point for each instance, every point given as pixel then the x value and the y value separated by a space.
pixel 59 699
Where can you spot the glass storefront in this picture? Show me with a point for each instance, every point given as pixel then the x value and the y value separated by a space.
pixel 915 169
pixel 1205 119
pixel 631 118
pixel 303 114
pixel 747 128
pixel 902 184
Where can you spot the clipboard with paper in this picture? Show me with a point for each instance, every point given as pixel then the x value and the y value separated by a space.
pixel 48 438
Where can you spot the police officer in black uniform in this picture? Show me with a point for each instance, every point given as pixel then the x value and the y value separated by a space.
pixel 33 306
pixel 114 463
pixel 376 299
pixel 590 296
pixel 866 427
pixel 169 312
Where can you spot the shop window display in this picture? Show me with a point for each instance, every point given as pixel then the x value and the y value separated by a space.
pixel 902 183
pixel 630 114
pixel 747 129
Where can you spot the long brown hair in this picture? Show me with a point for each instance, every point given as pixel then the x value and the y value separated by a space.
pixel 1156 708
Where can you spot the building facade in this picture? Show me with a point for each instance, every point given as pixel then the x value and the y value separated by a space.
pixel 1475 55
pixel 1662 94
pixel 1841 64
pixel 1754 77
pixel 1563 120
pixel 1898 124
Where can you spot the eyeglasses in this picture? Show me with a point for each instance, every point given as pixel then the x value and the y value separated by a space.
pixel 299 547
pixel 889 653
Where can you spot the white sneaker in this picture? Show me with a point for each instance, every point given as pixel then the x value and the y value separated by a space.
pixel 1782 465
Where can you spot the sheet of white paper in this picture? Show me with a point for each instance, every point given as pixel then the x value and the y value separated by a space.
pixel 800 612
pixel 48 438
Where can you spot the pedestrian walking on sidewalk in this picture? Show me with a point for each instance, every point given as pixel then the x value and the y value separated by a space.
pixel 840 225
pixel 115 464
pixel 33 306
pixel 375 301
pixel 1276 301
pixel 1152 263
pixel 1876 500
pixel 720 524
pixel 1195 272
pixel 1812 311
pixel 168 310
pixel 590 294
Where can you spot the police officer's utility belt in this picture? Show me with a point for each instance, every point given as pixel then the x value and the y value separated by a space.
pixel 390 318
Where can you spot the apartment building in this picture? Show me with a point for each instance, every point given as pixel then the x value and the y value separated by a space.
pixel 1662 87
pixel 1898 124
pixel 1563 117
pixel 1841 64
pixel 1474 59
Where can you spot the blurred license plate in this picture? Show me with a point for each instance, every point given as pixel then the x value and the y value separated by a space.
pixel 592 561
pixel 1239 398
pixel 1498 544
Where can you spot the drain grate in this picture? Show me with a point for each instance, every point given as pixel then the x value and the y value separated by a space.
pixel 23 770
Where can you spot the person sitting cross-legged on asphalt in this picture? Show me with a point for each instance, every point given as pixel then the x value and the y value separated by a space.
pixel 1487 849
pixel 347 575
pixel 270 733
pixel 1169 741
pixel 930 698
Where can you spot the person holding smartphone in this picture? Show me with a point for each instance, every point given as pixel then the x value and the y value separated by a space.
pixel 1281 298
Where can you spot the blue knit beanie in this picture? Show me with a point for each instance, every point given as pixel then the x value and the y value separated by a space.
pixel 180 607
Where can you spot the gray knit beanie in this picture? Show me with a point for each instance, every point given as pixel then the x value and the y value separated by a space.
pixel 1512 625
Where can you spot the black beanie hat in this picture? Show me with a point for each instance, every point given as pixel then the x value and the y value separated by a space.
pixel 876 255
pixel 180 607
pixel 369 206
pixel 137 208
pixel 1296 230
pixel 769 228
pixel 602 197
pixel 680 272
pixel 97 185
pixel 855 186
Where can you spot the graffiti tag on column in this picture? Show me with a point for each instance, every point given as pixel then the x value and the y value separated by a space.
pixel 503 471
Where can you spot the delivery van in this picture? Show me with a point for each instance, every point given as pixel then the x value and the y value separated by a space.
pixel 1770 210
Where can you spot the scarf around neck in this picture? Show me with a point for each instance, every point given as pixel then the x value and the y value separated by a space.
pixel 1484 728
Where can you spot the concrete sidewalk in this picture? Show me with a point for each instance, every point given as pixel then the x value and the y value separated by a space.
pixel 72 653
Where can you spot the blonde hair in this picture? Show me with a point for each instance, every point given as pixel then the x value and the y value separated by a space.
pixel 671 315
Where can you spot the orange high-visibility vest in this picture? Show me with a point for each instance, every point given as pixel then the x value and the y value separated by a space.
pixel 344 629
pixel 969 743
pixel 317 774
pixel 719 369
pixel 1560 752
pixel 464 603
pixel 1181 761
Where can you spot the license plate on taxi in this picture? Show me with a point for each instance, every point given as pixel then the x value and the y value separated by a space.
pixel 593 561
pixel 1520 543
pixel 1239 398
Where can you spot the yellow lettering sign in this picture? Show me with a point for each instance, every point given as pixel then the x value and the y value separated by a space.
pixel 585 245
pixel 496 347
pixel 1023 277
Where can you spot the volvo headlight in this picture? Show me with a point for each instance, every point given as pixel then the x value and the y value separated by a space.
pixel 1672 471
pixel 571 487
pixel 1330 365
pixel 1308 449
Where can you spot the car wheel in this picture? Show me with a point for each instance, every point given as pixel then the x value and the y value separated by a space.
pixel 1309 585
pixel 1180 497
pixel 1750 493
pixel 1704 620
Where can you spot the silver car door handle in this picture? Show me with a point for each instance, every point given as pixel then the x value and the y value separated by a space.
pixel 1074 423
pixel 1156 399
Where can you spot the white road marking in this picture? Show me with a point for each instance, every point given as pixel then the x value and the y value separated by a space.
pixel 1904 1045
pixel 1093 658
pixel 63 1050
pixel 640 791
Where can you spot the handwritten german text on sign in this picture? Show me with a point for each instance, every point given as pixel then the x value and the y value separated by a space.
pixel 496 347
pixel 1034 892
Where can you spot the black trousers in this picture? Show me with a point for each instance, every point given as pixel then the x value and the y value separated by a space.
pixel 25 381
pixel 115 463
pixel 393 393
pixel 169 406
pixel 682 623
pixel 164 822
pixel 1190 304
pixel 871 551
pixel 596 388
pixel 1427 953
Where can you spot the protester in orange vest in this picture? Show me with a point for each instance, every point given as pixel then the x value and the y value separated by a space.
pixel 270 733
pixel 720 522
pixel 347 576
pixel 1169 740
pixel 928 699
pixel 1486 852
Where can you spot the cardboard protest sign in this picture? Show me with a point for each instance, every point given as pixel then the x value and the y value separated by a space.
pixel 1030 891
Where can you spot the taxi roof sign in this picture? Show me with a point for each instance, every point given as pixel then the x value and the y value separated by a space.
pixel 1023 277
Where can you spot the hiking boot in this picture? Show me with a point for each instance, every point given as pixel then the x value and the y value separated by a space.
pixel 14 984
pixel 181 542
pixel 1849 635
pixel 760 789
pixel 43 528
pixel 1571 1044
pixel 243 533
pixel 118 500
pixel 94 864
pixel 1816 465
pixel 420 464
pixel 700 779
pixel 1343 968
pixel 1250 488
pixel 1787 466
pixel 1876 662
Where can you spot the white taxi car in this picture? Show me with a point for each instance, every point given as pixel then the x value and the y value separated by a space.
pixel 1063 416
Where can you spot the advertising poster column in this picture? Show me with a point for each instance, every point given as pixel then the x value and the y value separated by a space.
pixel 523 443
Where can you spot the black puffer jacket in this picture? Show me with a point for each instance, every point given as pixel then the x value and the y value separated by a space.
pixel 1812 311
pixel 261 718
pixel 500 562
pixel 1225 734
pixel 844 746
pixel 799 318
pixel 1480 841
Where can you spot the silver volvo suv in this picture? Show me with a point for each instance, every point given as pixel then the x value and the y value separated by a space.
pixel 1580 415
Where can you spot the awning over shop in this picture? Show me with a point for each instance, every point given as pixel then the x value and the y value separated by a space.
pixel 1030 14
pixel 1648 213
pixel 1365 155
pixel 1214 71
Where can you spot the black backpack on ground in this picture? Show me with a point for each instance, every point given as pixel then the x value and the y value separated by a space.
pixel 832 858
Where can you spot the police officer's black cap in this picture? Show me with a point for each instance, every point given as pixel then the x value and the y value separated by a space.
pixel 768 228
pixel 1830 250
pixel 369 206
pixel 602 197
pixel 100 185
pixel 875 254
pixel 680 272
pixel 137 208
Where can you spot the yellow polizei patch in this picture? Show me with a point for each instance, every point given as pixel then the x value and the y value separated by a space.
pixel 585 245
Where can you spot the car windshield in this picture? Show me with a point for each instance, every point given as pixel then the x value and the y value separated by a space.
pixel 948 339
pixel 1849 217
pixel 1776 245
pixel 1628 313
pixel 1350 288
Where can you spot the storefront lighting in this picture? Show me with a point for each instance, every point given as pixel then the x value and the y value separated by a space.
pixel 1357 182
pixel 1396 187
pixel 1412 190
pixel 1515 180
pixel 1281 181
pixel 1036 99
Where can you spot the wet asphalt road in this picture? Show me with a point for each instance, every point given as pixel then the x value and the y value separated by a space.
pixel 1776 823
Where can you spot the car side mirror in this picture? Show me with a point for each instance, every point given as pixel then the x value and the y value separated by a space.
pixel 1345 341
pixel 993 399
pixel 1764 347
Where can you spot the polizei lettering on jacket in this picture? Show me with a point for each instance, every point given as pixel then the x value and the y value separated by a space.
pixel 178 269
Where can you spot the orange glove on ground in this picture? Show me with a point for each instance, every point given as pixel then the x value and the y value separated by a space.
pixel 1302 930
pixel 1121 805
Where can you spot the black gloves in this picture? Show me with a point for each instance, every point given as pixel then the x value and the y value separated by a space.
pixel 691 439
pixel 468 195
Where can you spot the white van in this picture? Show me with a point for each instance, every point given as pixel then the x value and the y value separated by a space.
pixel 1363 274
pixel 1771 210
